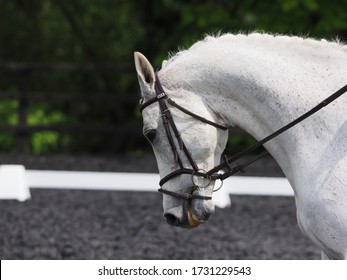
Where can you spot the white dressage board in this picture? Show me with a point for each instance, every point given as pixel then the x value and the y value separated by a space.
pixel 15 183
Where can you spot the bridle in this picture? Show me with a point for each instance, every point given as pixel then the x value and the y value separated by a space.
pixel 228 162
pixel 169 125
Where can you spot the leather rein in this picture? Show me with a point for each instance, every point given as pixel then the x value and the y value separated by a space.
pixel 229 164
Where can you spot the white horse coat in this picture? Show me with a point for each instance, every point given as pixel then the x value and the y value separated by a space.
pixel 260 83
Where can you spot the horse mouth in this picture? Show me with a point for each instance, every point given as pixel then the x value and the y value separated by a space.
pixel 193 221
pixel 184 218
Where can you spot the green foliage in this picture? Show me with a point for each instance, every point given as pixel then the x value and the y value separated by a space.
pixel 109 31
pixel 8 116
pixel 46 141
pixel 8 112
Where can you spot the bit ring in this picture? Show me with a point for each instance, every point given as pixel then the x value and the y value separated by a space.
pixel 201 173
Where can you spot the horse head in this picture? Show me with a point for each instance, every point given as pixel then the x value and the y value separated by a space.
pixel 186 142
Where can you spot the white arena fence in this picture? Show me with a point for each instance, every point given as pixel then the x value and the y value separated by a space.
pixel 16 182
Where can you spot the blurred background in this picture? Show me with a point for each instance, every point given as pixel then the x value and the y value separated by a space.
pixel 67 81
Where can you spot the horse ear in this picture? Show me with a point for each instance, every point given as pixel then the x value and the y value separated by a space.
pixel 145 72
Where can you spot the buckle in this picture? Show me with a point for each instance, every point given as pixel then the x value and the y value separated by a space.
pixel 161 95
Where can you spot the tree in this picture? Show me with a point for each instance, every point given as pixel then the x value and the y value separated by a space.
pixel 109 31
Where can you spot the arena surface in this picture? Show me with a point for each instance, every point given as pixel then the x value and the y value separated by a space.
pixel 77 224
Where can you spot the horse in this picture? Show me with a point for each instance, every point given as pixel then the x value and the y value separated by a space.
pixel 258 82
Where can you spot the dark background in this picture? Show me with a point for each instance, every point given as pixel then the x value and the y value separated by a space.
pixel 67 81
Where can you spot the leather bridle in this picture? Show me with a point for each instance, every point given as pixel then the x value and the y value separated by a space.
pixel 228 164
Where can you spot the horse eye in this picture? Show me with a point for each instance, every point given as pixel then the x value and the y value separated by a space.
pixel 150 134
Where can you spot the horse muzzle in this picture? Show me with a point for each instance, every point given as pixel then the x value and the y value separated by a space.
pixel 190 214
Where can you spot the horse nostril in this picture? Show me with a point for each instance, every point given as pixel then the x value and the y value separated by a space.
pixel 172 220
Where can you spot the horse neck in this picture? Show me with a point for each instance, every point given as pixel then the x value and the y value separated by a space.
pixel 260 92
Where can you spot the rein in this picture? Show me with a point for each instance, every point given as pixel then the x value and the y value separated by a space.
pixel 212 174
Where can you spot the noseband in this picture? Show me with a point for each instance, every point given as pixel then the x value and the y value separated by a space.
pixel 228 162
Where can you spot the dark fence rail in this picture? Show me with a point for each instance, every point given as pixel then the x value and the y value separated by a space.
pixel 25 96
pixel 64 67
